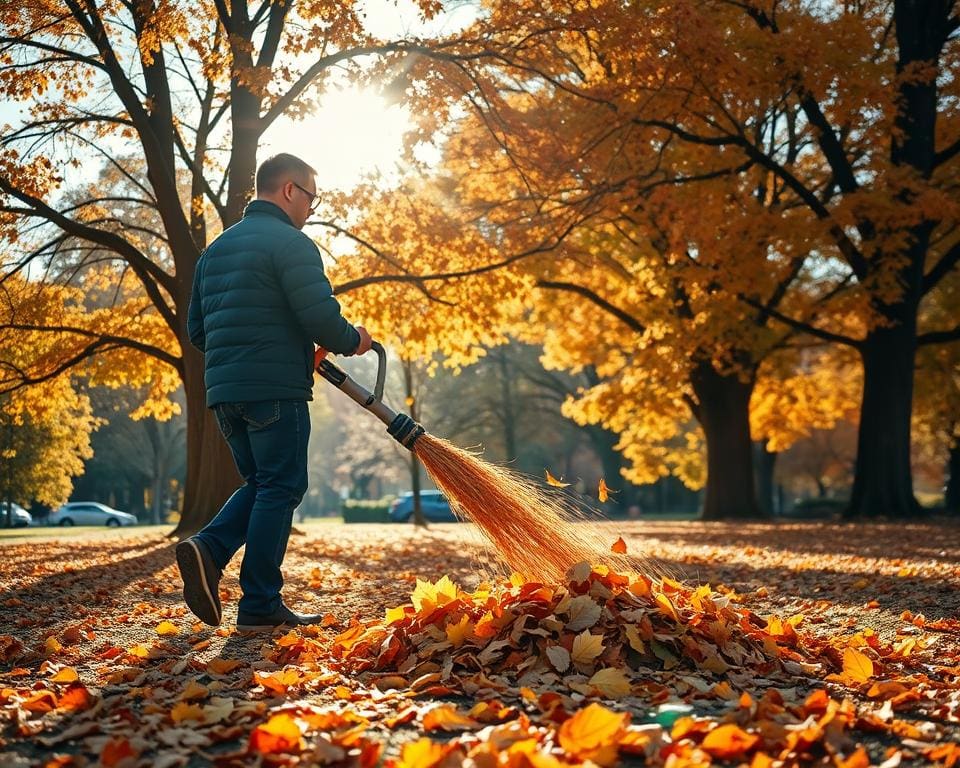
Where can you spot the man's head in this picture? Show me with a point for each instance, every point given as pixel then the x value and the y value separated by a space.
pixel 290 183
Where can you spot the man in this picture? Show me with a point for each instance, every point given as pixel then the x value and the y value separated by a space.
pixel 260 302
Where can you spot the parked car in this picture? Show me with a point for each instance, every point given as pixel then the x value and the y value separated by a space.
pixel 19 517
pixel 436 508
pixel 90 513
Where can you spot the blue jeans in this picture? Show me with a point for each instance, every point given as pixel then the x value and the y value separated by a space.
pixel 268 440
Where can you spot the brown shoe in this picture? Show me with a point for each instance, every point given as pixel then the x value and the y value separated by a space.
pixel 201 580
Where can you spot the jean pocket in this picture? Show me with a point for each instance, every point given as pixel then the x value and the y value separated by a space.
pixel 261 414
pixel 226 428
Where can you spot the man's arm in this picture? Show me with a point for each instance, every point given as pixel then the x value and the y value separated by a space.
pixel 310 295
pixel 195 312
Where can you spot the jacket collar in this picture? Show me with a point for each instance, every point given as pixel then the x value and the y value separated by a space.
pixel 265 206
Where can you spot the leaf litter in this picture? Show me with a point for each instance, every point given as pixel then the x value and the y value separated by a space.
pixel 600 667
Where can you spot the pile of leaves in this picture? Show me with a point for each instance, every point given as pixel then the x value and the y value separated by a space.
pixel 602 668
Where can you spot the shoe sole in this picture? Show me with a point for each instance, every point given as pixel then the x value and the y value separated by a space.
pixel 196 590
pixel 251 629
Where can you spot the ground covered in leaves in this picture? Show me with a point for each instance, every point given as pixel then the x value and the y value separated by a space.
pixel 779 644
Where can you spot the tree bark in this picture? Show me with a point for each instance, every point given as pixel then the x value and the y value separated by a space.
pixel 883 485
pixel 765 462
pixel 723 410
pixel 951 500
pixel 211 473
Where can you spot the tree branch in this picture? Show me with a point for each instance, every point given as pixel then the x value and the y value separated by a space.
pixel 940 270
pixel 800 325
pixel 625 317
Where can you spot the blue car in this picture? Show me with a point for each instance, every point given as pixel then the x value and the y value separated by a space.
pixel 436 508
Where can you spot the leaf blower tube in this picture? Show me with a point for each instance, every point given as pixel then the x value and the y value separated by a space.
pixel 400 426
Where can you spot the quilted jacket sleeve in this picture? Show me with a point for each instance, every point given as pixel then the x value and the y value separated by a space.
pixel 310 296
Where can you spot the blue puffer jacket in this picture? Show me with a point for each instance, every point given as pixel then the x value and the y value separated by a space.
pixel 260 301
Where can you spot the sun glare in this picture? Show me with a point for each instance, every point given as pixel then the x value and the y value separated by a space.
pixel 354 133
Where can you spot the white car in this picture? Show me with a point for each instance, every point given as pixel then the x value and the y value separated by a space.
pixel 90 513
pixel 19 517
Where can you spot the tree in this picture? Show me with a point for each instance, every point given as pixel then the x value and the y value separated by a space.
pixel 179 80
pixel 44 436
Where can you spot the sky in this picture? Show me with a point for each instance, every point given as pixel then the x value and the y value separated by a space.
pixel 353 132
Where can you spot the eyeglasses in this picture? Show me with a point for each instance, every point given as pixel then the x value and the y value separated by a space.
pixel 314 197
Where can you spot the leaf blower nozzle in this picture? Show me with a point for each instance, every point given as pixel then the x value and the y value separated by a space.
pixel 405 430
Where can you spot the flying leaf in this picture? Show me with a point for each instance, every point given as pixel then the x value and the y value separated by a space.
pixel 559 657
pixel 857 666
pixel 279 734
pixel 619 547
pixel 611 682
pixel 586 648
pixel 551 480
pixel 583 611
pixel 728 742
pixel 603 492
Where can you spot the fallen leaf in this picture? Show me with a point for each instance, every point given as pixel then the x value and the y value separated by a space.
pixel 165 628
pixel 279 734
pixel 593 734
pixel 619 547
pixel 586 648
pixel 611 682
pixel 856 665
pixel 559 657
pixel 729 741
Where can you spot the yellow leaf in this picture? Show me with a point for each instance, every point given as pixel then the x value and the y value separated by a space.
pixel 619 547
pixel 183 711
pixel 457 633
pixel 633 636
pixel 857 666
pixel 65 675
pixel 666 607
pixel 52 645
pixel 394 615
pixel 586 648
pixel 167 628
pixel 551 480
pixel 611 682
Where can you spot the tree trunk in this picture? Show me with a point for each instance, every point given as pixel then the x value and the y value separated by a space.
pixel 723 410
pixel 507 415
pixel 765 461
pixel 414 408
pixel 951 500
pixel 211 473
pixel 882 484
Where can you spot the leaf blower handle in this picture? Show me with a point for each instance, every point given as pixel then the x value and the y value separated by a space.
pixel 400 426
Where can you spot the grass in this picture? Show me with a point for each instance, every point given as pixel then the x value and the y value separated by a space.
pixel 49 532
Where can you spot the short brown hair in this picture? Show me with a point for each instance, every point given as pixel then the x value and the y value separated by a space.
pixel 274 170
